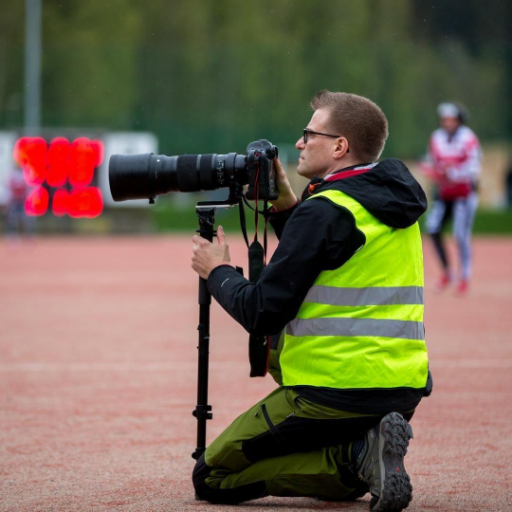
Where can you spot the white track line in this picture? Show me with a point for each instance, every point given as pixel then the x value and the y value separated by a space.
pixel 471 363
pixel 482 364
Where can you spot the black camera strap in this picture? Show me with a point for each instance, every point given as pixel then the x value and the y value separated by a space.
pixel 259 346
pixel 265 238
pixel 243 225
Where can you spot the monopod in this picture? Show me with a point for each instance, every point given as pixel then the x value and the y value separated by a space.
pixel 258 345
pixel 202 411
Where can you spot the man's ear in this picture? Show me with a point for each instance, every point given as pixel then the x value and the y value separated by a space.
pixel 341 148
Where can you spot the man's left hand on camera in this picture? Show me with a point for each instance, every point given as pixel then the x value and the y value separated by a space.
pixel 207 256
pixel 287 198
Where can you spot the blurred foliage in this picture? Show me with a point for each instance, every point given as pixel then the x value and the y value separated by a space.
pixel 487 222
pixel 168 216
pixel 214 75
pixel 493 222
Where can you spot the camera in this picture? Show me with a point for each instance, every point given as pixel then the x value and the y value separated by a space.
pixel 148 175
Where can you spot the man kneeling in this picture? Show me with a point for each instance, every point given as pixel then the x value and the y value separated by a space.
pixel 343 298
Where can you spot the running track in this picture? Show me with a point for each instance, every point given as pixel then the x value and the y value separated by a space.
pixel 98 375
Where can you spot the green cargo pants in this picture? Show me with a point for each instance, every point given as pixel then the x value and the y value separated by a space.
pixel 285 445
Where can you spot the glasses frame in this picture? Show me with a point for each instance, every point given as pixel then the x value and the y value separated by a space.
pixel 307 132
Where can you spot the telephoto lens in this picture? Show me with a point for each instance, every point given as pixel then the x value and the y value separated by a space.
pixel 149 175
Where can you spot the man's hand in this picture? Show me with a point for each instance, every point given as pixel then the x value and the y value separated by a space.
pixel 287 198
pixel 206 256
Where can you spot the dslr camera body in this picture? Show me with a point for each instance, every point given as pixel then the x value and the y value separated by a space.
pixel 148 175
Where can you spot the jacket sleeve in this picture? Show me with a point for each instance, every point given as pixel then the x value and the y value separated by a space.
pixel 278 220
pixel 318 236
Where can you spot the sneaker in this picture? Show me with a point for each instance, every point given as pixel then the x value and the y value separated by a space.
pixel 381 464
pixel 463 287
pixel 443 282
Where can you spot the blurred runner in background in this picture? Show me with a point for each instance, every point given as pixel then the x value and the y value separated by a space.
pixel 453 164
pixel 18 221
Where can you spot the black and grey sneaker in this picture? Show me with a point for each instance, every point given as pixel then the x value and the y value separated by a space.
pixel 381 464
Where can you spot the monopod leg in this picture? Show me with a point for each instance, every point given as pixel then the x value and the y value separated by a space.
pixel 203 411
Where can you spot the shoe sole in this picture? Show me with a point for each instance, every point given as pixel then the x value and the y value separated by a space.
pixel 396 492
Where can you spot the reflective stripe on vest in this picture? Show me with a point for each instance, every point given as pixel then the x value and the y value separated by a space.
pixel 365 296
pixel 361 325
pixel 356 327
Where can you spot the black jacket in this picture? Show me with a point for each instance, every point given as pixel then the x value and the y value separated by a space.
pixel 316 236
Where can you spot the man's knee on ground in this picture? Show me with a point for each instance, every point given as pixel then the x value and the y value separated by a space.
pixel 223 496
pixel 203 490
pixel 199 475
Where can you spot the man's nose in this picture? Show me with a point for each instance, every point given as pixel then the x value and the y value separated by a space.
pixel 300 143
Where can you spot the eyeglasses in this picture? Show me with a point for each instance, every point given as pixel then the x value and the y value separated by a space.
pixel 308 132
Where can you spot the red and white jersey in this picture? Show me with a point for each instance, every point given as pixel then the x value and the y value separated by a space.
pixel 458 155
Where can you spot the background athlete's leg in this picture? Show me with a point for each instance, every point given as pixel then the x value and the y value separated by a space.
pixel 436 220
pixel 464 217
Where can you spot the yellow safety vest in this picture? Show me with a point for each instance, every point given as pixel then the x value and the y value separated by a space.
pixel 361 325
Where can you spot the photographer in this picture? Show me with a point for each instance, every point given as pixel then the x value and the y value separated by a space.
pixel 345 290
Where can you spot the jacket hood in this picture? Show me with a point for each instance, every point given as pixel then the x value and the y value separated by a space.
pixel 387 189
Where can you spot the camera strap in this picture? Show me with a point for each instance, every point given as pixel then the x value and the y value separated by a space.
pixel 259 346
pixel 243 225
pixel 265 239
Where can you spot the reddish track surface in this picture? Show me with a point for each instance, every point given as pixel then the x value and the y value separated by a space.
pixel 98 375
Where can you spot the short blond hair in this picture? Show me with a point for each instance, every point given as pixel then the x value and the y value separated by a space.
pixel 356 118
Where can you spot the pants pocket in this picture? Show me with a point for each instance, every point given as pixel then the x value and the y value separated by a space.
pixel 267 444
pixel 271 426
